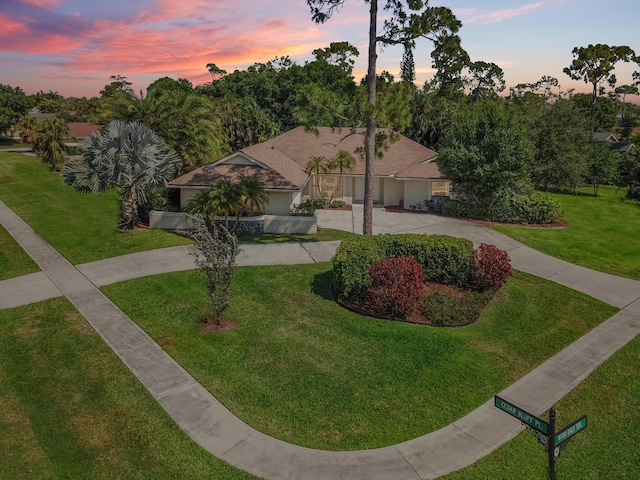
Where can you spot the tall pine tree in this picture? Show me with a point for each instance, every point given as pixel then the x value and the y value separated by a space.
pixel 407 65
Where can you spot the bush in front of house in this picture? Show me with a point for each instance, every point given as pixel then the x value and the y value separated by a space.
pixel 490 268
pixel 337 204
pixel 443 259
pixel 379 275
pixel 533 208
pixel 320 202
pixel 351 265
pixel 304 209
pixel 537 208
pixel 397 286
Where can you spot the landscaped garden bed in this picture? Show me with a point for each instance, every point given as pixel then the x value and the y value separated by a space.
pixel 436 280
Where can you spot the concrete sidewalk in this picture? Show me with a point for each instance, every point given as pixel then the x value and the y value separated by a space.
pixel 221 433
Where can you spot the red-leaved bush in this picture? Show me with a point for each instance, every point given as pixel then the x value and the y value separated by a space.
pixel 397 287
pixel 490 268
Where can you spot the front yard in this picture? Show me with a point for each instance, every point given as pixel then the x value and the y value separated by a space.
pixel 298 367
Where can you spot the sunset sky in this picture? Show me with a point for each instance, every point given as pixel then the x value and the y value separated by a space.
pixel 73 46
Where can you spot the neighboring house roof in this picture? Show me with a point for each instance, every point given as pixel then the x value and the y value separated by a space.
pixel 622 147
pixel 611 139
pixel 280 162
pixel 35 113
pixel 605 137
pixel 83 129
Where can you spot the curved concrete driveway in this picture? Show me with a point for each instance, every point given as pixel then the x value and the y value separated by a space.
pixel 224 435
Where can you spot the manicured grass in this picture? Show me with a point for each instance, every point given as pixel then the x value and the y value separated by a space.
pixel 14 261
pixel 606 450
pixel 69 408
pixel 602 234
pixel 301 368
pixel 81 227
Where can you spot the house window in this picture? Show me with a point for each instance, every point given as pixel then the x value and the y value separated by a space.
pixel 440 189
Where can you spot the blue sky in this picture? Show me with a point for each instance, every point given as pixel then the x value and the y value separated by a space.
pixel 74 46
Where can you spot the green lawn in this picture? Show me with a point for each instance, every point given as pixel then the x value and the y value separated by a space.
pixel 69 408
pixel 603 233
pixel 606 450
pixel 14 261
pixel 301 368
pixel 81 227
pixel 298 366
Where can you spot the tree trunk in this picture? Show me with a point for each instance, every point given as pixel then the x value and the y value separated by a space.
pixel 128 212
pixel 594 96
pixel 370 136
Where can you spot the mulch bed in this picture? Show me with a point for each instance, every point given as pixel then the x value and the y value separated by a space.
pixel 417 319
pixel 346 207
pixel 224 325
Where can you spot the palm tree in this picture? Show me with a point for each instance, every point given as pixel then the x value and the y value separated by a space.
pixel 200 204
pixel 255 197
pixel 226 200
pixel 26 126
pixel 317 165
pixel 48 138
pixel 128 156
pixel 190 123
pixel 343 162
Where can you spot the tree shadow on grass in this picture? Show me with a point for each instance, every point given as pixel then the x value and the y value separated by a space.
pixel 321 285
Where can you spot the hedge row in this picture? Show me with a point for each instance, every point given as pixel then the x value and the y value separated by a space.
pixel 534 208
pixel 443 259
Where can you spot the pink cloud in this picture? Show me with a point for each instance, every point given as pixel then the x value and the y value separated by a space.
pixel 43 3
pixel 16 36
pixel 473 16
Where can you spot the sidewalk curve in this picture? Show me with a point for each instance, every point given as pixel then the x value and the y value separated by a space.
pixel 221 433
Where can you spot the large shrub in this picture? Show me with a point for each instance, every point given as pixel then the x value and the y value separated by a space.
pixel 351 265
pixel 443 259
pixel 397 287
pixel 490 268
pixel 534 208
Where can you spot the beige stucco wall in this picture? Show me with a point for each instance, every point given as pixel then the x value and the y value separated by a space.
pixel 393 191
pixel 415 192
pixel 358 194
pixel 186 194
pixel 279 203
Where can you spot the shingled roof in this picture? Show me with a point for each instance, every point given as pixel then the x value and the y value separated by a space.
pixel 280 162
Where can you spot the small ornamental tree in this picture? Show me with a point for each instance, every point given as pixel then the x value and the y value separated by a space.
pixel 490 268
pixel 397 287
pixel 216 259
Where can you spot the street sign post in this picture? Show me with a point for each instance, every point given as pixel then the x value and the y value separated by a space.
pixel 553 442
pixel 522 415
pixel 569 431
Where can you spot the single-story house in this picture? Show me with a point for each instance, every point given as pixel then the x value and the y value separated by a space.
pixel 407 174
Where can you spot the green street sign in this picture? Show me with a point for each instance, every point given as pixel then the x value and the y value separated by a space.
pixel 523 416
pixel 571 430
